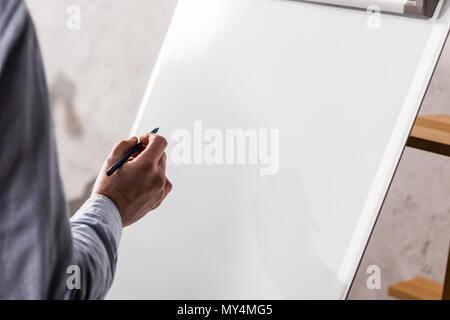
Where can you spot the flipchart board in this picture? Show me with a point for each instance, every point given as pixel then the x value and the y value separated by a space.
pixel 285 122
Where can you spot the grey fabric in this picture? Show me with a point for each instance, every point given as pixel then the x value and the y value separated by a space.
pixel 37 241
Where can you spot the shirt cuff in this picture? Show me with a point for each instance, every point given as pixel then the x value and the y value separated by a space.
pixel 100 209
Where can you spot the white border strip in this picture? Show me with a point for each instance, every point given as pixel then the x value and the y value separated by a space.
pixel 394 149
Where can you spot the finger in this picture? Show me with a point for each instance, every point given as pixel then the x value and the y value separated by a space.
pixel 168 187
pixel 145 137
pixel 122 147
pixel 134 155
pixel 144 140
pixel 154 149
pixel 162 162
pixel 138 152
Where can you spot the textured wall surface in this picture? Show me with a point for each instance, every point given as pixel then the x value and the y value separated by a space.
pixel 97 76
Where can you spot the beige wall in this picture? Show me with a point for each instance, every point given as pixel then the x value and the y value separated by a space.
pixel 97 76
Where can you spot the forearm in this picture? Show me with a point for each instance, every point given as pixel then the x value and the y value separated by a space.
pixel 96 230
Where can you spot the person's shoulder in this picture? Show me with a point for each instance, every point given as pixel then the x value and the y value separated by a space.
pixel 13 19
pixel 11 12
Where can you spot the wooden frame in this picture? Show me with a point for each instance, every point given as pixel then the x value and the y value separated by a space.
pixel 431 133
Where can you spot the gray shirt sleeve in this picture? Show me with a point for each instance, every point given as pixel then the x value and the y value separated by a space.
pixel 96 230
pixel 40 249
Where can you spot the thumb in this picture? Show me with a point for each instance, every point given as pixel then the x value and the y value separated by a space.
pixel 121 148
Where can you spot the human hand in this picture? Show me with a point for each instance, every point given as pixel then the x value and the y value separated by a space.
pixel 140 185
